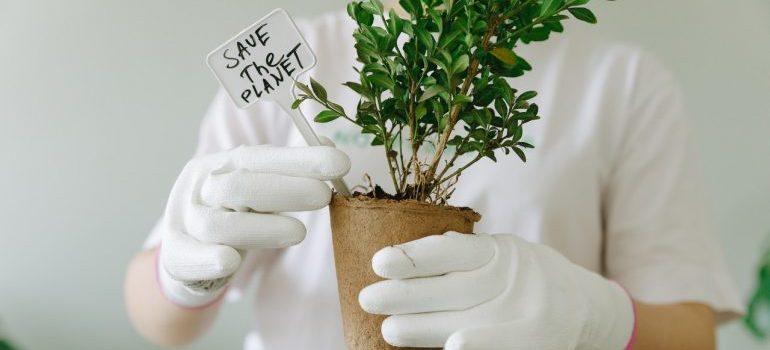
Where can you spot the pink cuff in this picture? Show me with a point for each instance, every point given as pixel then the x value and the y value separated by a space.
pixel 160 288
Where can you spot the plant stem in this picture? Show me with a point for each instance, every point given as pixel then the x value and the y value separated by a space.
pixel 451 162
pixel 460 171
pixel 391 169
pixel 386 143
pixel 404 177
pixel 455 112
pixel 413 139
pixel 472 71
pixel 404 167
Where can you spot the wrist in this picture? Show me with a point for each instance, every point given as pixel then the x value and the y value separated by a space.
pixel 181 295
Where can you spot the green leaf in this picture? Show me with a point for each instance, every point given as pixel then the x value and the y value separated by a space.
pixel 443 121
pixel 442 65
pixel 525 144
pixel 352 10
pixel 395 24
pixel 426 39
pixel 528 118
pixel 501 107
pixel 583 14
pixel 536 34
pixel 337 108
pixel 462 99
pixel 377 141
pixel 408 29
pixel 450 38
pixel 505 90
pixel 304 88
pixel 360 15
pixel 521 154
pixel 485 96
pixel 431 92
pixel 420 111
pixel 455 141
pixel 370 7
pixel 486 114
pixel 371 129
pixel 549 7
pixel 436 24
pixel 413 7
pixel 533 109
pixel 318 90
pixel 326 116
pixel 366 119
pixel 461 64
pixel 378 4
pixel 478 134
pixel 505 55
pixel 523 64
pixel 518 132
pixel 356 87
pixel 382 80
pixel 375 67
pixel 554 26
pixel 428 81
pixel 527 95
pixel 296 103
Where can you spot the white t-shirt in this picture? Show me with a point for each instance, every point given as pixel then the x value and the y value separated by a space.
pixel 610 184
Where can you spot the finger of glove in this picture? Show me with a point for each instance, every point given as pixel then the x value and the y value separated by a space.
pixel 452 291
pixel 321 163
pixel 433 256
pixel 513 335
pixel 422 330
pixel 187 259
pixel 241 189
pixel 244 230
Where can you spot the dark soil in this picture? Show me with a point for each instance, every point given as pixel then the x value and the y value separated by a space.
pixel 378 194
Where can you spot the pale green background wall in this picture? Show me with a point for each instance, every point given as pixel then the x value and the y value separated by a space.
pixel 100 102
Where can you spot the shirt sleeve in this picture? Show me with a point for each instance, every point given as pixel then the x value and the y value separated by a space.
pixel 658 240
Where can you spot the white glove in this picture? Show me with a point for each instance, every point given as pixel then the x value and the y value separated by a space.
pixel 494 292
pixel 225 203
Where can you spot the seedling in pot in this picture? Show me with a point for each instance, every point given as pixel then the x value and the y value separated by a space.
pixel 434 85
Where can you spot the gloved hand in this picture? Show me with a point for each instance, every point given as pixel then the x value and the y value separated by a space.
pixel 494 292
pixel 227 203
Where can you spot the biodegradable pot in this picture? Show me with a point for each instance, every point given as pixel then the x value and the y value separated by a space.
pixel 360 227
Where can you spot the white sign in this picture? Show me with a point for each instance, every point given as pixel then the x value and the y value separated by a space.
pixel 263 60
pixel 262 63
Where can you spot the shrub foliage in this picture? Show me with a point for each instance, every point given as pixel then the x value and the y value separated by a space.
pixel 434 84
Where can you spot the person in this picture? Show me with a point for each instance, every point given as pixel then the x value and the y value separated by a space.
pixel 599 241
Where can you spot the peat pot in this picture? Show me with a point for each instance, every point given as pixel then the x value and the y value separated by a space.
pixel 360 227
